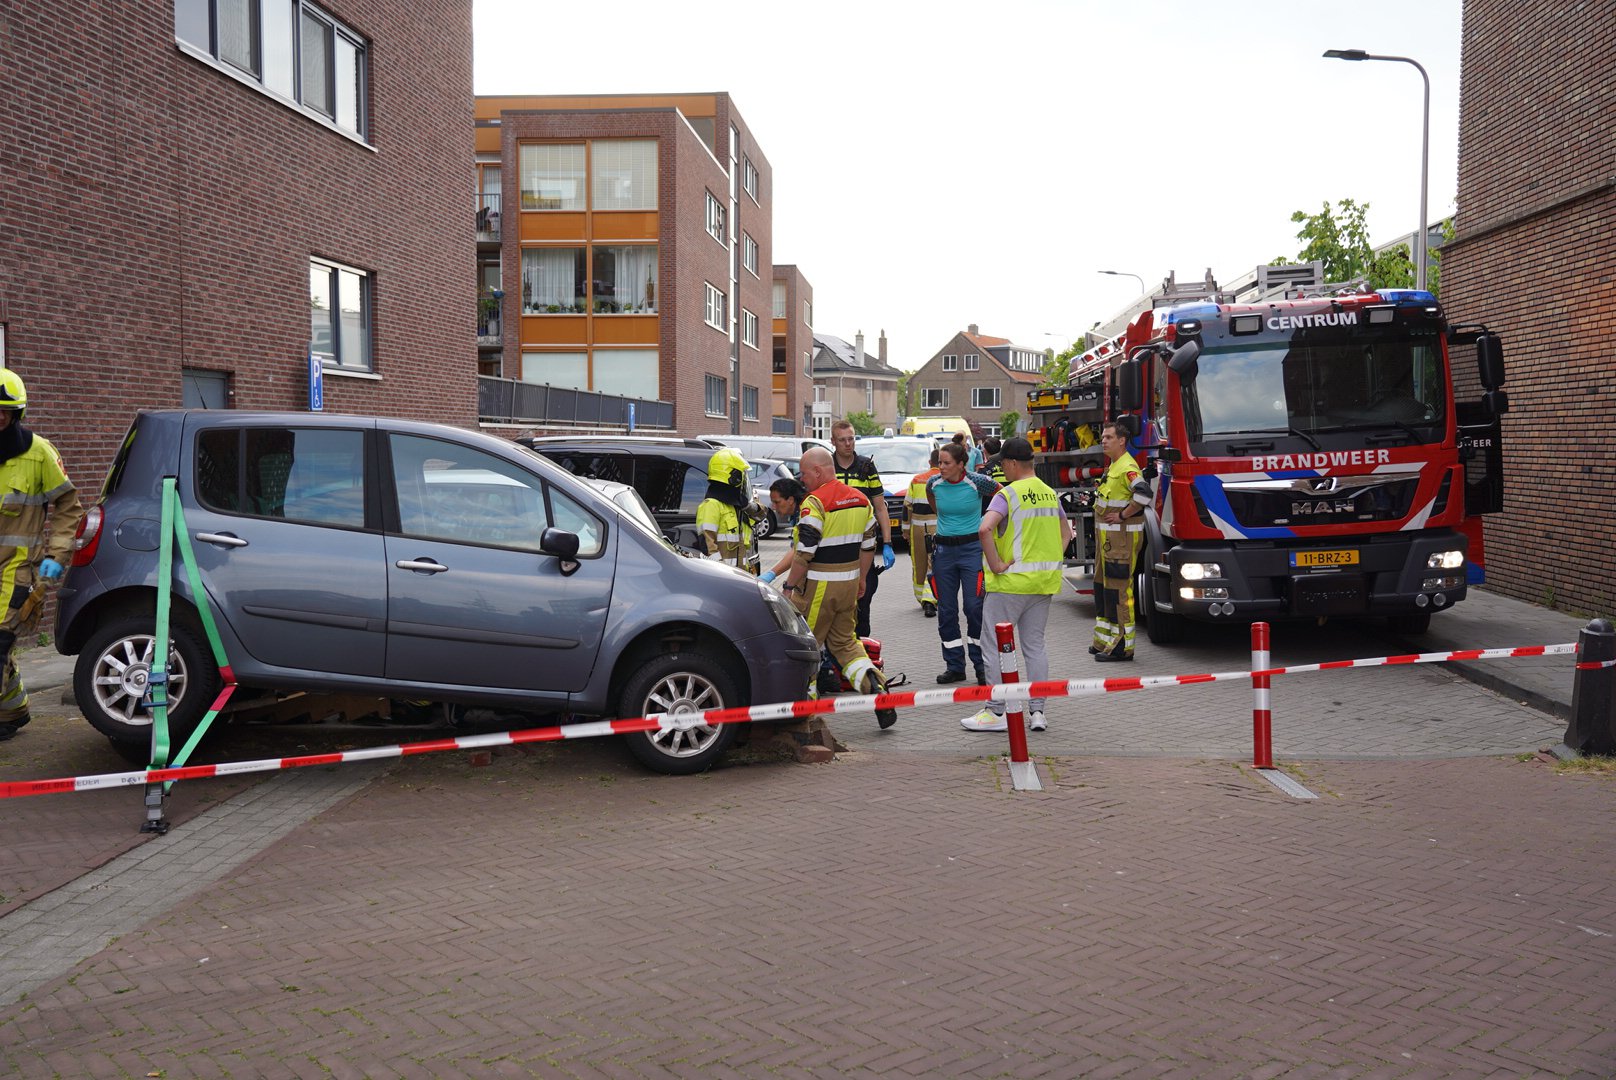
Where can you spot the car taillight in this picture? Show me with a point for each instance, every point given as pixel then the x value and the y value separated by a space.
pixel 88 536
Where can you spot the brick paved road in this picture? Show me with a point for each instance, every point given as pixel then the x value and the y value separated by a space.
pixel 561 914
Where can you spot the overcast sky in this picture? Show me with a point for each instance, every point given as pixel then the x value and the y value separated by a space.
pixel 939 164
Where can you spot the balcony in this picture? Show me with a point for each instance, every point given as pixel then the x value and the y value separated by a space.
pixel 510 401
pixel 489 334
pixel 488 219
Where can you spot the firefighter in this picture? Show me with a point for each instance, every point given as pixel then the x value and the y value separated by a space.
pixel 725 516
pixel 922 528
pixel 1119 509
pixel 833 546
pixel 33 482
pixel 859 473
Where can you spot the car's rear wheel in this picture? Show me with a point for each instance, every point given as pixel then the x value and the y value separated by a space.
pixel 681 684
pixel 112 671
pixel 764 527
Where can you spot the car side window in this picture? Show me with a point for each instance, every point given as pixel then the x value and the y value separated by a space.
pixel 569 515
pixel 460 494
pixel 310 475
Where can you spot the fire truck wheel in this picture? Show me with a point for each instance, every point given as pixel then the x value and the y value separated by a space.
pixel 1163 628
pixel 1412 625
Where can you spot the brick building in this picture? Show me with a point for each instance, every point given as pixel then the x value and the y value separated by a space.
pixel 1535 259
pixel 194 203
pixel 977 377
pixel 793 323
pixel 634 259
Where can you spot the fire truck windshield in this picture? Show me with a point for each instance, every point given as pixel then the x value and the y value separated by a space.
pixel 1349 382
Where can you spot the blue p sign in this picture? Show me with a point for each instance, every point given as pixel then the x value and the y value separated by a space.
pixel 316 383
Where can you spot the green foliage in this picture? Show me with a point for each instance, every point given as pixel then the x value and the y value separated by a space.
pixel 1338 237
pixel 1058 365
pixel 863 423
pixel 903 395
pixel 1009 424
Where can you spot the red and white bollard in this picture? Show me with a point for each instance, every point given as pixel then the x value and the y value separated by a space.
pixel 1262 718
pixel 1023 775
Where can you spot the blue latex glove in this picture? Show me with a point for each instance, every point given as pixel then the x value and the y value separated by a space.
pixel 50 569
pixel 887 556
pixel 768 576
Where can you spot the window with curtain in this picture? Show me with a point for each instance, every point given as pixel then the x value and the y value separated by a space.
pixel 717 396
pixel 552 176
pixel 779 300
pixel 749 403
pixel 626 279
pixel 624 174
pixel 553 281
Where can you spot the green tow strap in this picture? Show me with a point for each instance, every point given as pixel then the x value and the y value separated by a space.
pixel 173 529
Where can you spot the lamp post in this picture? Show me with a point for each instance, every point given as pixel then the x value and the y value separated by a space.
pixel 1124 273
pixel 1425 148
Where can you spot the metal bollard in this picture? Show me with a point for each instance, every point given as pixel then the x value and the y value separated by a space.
pixel 1592 729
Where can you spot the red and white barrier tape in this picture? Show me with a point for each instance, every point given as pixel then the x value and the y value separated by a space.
pixel 782 711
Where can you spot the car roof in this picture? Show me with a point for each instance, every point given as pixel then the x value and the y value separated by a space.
pixel 536 441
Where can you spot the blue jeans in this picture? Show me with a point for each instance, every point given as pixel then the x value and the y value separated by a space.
pixel 956 569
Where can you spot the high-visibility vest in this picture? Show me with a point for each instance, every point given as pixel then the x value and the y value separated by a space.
pixel 834 525
pixel 1030 540
pixel 921 511
pixel 1115 492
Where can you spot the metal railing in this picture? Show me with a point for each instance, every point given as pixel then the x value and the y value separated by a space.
pixel 784 425
pixel 511 401
pixel 488 217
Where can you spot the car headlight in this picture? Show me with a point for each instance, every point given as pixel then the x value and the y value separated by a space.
pixel 785 616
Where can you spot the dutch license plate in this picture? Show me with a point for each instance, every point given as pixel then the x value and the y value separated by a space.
pixel 1344 557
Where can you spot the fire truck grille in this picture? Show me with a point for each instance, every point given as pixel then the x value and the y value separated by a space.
pixel 1382 502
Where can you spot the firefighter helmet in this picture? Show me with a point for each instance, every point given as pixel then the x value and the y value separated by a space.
pixel 727 467
pixel 13 395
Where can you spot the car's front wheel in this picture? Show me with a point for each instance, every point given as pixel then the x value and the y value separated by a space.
pixel 111 674
pixel 681 684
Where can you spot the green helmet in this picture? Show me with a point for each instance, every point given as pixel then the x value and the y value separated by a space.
pixel 727 467
pixel 13 395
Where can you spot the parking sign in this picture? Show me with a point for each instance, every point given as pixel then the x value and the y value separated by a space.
pixel 316 383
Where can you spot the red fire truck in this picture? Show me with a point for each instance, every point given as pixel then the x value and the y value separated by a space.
pixel 1308 455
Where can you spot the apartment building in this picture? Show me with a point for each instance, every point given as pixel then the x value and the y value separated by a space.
pixel 201 196
pixel 977 377
pixel 1534 244
pixel 793 321
pixel 625 246
pixel 848 380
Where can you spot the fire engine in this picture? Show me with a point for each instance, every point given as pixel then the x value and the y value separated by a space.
pixel 1307 454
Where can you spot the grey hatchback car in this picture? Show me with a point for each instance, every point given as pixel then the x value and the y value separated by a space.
pixel 411 561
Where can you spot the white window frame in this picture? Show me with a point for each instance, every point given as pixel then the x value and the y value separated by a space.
pixel 715 218
pixel 749 402
pixel 715 312
pixel 934 397
pixel 749 252
pixel 778 300
pixel 950 362
pixel 749 328
pixel 973 361
pixel 808 313
pixel 721 385
pixel 749 177
pixel 976 397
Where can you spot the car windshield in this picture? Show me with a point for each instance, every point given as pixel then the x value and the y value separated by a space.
pixel 904 456
pixel 628 500
pixel 1340 383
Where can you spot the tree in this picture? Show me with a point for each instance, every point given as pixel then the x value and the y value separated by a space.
pixel 1058 366
pixel 863 423
pixel 903 395
pixel 1009 423
pixel 1338 237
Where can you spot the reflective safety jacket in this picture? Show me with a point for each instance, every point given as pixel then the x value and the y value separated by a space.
pixel 921 511
pixel 834 524
pixel 1029 540
pixel 1116 492
pixel 30 483
pixel 724 535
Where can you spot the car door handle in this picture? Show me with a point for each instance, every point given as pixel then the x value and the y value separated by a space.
pixel 222 539
pixel 424 566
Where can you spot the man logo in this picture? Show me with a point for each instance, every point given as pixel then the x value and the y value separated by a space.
pixel 1323 506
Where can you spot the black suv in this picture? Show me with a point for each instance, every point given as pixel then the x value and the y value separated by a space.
pixel 669 473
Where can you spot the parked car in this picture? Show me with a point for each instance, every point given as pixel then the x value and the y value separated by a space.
pixel 412 561
pixel 898 458
pixel 780 447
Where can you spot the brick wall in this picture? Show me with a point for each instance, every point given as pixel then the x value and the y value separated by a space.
pixel 160 215
pixel 1535 259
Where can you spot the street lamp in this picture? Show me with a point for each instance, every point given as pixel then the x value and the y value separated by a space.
pixel 1124 273
pixel 1425 148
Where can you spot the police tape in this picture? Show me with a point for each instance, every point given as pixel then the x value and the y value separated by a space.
pixel 747 714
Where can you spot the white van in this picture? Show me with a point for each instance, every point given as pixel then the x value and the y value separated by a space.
pixel 786 448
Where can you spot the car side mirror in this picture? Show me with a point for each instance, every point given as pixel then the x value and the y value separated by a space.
pixel 560 543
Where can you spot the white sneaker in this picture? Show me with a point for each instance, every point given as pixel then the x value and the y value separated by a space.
pixel 985 720
pixel 1036 721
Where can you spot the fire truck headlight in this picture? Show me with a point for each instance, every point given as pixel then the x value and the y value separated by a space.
pixel 1199 571
pixel 1218 593
pixel 1445 560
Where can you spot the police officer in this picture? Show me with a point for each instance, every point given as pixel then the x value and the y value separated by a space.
pixel 32 482
pixel 922 528
pixel 1119 518
pixel 1024 534
pixel 860 474
pixel 724 516
pixel 834 545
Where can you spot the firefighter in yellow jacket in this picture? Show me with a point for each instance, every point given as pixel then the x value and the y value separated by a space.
pixel 833 546
pixel 32 484
pixel 1119 518
pixel 922 527
pixel 724 516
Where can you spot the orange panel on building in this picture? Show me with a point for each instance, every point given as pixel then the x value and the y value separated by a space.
pixel 624 225
pixel 553 225
pixel 626 330
pixel 555 329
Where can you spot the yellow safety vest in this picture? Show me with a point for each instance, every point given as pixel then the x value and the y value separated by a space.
pixel 1116 493
pixel 1029 540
